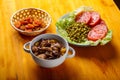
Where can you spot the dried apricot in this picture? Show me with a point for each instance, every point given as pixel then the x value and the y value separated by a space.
pixel 29 24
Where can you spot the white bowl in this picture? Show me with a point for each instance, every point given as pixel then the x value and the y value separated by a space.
pixel 53 62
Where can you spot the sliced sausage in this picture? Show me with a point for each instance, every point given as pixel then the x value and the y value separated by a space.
pixel 97 32
pixel 83 17
pixel 95 18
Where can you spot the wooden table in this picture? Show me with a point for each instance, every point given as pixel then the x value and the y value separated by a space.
pixel 90 63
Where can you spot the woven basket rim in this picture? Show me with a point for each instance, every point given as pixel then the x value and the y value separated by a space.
pixel 11 22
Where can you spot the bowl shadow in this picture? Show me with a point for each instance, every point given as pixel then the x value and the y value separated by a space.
pixel 56 73
pixel 102 53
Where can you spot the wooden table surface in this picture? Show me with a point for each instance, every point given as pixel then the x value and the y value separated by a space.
pixel 90 63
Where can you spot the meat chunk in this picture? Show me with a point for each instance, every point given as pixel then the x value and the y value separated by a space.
pixel 48 49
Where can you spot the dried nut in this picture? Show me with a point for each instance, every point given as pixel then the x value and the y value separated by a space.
pixel 22 27
pixel 17 24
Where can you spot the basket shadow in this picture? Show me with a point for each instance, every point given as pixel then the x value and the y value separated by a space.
pixel 24 38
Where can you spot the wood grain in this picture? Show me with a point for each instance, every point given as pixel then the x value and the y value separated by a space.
pixel 90 63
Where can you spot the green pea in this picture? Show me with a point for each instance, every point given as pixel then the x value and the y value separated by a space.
pixel 78 32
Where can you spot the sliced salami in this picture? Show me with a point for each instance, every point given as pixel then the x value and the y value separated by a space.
pixel 83 17
pixel 97 32
pixel 95 18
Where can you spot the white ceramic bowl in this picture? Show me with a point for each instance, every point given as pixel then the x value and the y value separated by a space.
pixel 53 62
pixel 33 12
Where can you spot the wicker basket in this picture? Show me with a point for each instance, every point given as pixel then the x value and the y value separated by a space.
pixel 33 12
